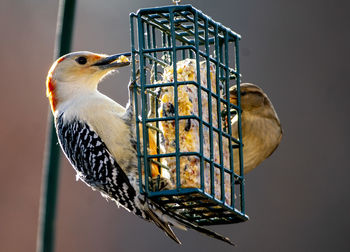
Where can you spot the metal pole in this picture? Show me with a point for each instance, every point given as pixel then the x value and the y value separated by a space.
pixel 47 215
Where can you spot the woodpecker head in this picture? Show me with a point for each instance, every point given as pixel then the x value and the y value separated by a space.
pixel 79 71
pixel 253 100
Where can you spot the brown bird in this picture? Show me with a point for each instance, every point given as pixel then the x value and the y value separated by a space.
pixel 261 127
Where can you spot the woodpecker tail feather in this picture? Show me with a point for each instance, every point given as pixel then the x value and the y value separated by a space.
pixel 163 218
pixel 201 229
pixel 163 225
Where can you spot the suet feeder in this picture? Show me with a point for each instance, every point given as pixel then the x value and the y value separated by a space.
pixel 161 38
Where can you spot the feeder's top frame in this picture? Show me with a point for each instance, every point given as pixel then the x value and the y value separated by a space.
pixel 184 8
pixel 160 17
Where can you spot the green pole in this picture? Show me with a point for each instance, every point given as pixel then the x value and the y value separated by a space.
pixel 47 215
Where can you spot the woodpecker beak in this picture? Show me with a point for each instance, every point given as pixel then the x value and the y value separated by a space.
pixel 113 62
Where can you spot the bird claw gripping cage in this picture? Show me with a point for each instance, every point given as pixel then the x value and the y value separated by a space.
pixel 183 65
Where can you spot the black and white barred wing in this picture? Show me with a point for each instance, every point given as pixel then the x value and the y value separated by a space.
pixel 94 164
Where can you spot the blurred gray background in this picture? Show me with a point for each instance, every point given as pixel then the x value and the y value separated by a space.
pixel 297 200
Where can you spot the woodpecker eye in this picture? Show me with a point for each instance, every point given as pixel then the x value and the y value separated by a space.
pixel 81 60
pixel 243 93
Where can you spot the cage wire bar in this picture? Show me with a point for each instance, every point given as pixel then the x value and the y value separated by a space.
pixel 47 214
pixel 160 37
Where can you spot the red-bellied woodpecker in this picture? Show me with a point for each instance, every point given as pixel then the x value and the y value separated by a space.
pixel 261 128
pixel 97 136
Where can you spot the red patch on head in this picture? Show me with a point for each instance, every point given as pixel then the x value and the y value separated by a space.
pixel 50 91
pixel 60 60
pixel 51 85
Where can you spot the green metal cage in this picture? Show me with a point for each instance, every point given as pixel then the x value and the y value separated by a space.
pixel 161 37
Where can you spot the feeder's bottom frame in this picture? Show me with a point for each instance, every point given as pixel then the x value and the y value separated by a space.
pixel 197 207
